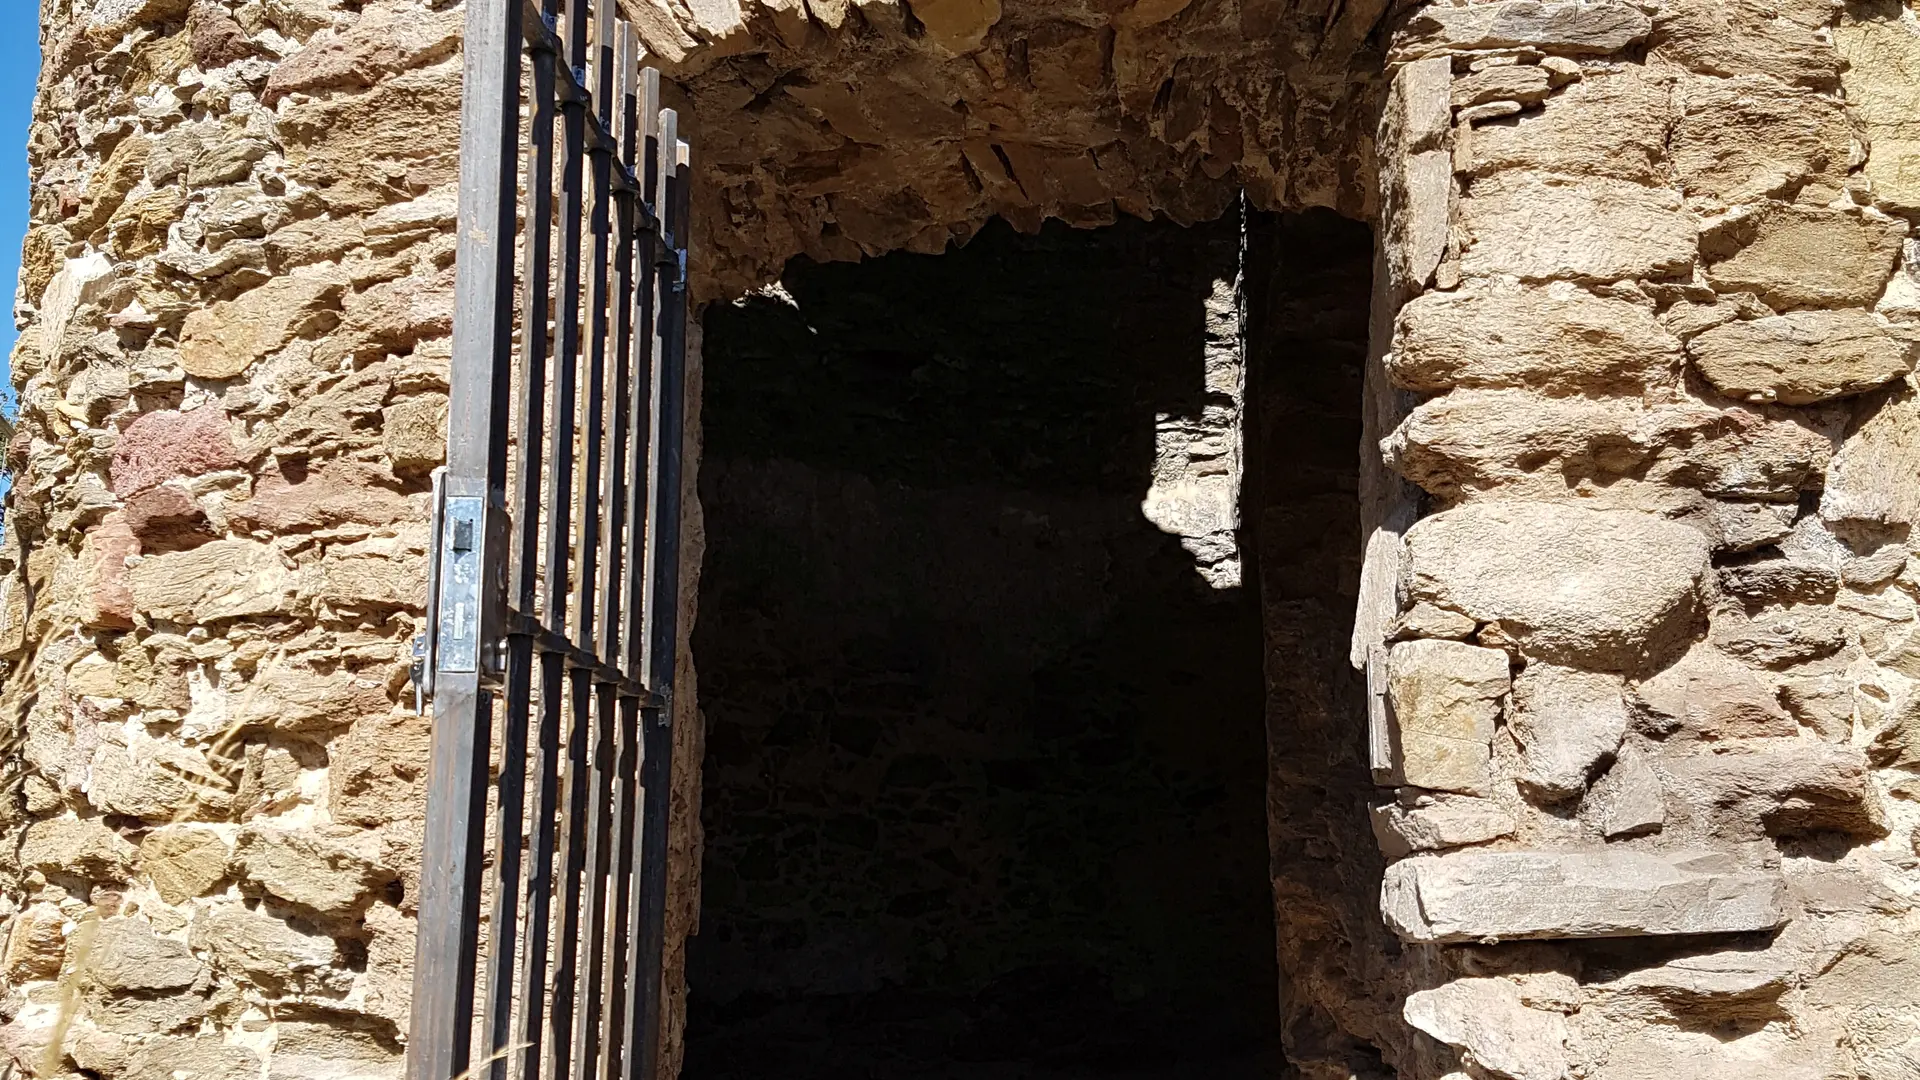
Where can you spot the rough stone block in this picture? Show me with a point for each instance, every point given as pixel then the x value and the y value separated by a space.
pixel 1446 699
pixel 1871 479
pixel 1804 357
pixel 223 341
pixel 1882 82
pixel 1476 896
pixel 1602 590
pixel 1539 229
pixel 81 846
pixel 183 861
pixel 1561 28
pixel 1751 137
pixel 1610 124
pixel 1749 37
pixel 1567 723
pixel 128 956
pixel 1560 338
pixel 1781 787
pixel 329 875
pixel 164 445
pixel 226 579
pixel 1707 695
pixel 1426 821
pixel 1627 801
pixel 1805 257
pixel 265 951
pixel 1488 1021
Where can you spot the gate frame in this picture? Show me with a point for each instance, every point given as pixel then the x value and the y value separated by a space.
pixel 506 565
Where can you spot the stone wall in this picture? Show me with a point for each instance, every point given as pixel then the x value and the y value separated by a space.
pixel 236 297
pixel 1646 694
pixel 1642 675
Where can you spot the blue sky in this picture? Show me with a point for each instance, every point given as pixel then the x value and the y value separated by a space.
pixel 19 66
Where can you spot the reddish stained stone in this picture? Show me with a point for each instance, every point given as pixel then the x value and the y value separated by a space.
pixel 159 446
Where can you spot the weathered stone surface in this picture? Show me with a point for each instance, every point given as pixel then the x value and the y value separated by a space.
pixel 1779 637
pixel 1803 357
pixel 1416 173
pixel 1871 477
pixel 128 956
pixel 379 772
pixel 1473 896
pixel 321 1052
pixel 266 951
pixel 1560 338
pixel 386 38
pixel 202 1058
pixel 1748 37
pixel 36 944
pixel 223 341
pixel 1521 444
pixel 1627 801
pixel 81 846
pixel 183 861
pixel 415 432
pixel 1610 124
pixel 1782 786
pixel 155 780
pixel 1882 78
pixel 1540 229
pixel 1599 589
pixel 1751 137
pixel 106 600
pixel 1486 1020
pixel 1521 83
pixel 1805 257
pixel 163 445
pixel 1446 697
pixel 1429 821
pixel 1709 695
pixel 1778 581
pixel 1567 723
pixel 166 518
pixel 1423 620
pixel 1563 28
pixel 301 698
pixel 335 494
pixel 226 579
pixel 331 876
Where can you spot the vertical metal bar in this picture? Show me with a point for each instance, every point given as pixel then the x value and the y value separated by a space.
pixel 561 1049
pixel 640 399
pixel 540 877
pixel 662 615
pixel 620 478
pixel 586 1034
pixel 509 823
pixel 441 1035
pixel 560 432
pixel 586 554
pixel 641 460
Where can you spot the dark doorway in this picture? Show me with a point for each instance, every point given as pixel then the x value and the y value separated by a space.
pixel 985 785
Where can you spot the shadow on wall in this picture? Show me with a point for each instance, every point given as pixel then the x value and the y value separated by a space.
pixel 985 785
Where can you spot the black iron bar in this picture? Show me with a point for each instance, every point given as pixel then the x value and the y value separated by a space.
pixel 662 614
pixel 571 854
pixel 446 947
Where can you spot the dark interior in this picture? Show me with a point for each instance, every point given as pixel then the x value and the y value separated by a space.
pixel 985 792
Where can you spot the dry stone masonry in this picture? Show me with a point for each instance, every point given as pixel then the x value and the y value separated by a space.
pixel 1639 494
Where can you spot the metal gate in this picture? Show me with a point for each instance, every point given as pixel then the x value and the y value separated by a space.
pixel 554 574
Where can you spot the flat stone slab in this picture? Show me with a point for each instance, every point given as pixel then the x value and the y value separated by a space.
pixel 1512 895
